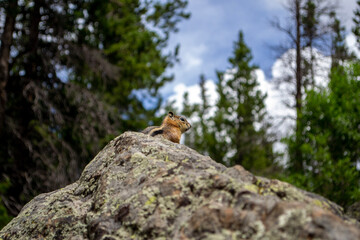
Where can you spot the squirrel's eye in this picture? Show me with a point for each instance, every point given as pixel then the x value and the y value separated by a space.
pixel 182 119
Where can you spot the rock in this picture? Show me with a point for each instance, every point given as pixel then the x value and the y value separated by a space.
pixel 140 187
pixel 354 211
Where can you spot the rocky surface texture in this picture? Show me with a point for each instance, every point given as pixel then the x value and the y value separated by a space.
pixel 354 211
pixel 140 187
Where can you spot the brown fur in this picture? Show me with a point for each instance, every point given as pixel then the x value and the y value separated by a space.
pixel 171 128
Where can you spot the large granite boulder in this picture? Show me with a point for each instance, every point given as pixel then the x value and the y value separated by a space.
pixel 140 187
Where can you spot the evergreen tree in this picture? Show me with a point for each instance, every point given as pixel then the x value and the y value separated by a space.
pixel 339 50
pixel 239 129
pixel 199 112
pixel 235 130
pixel 205 107
pixel 331 138
pixel 307 30
pixel 79 73
pixel 294 30
pixel 325 150
pixel 310 23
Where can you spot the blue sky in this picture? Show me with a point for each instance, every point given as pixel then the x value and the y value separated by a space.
pixel 206 39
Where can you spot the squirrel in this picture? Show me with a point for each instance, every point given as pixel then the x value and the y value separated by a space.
pixel 171 128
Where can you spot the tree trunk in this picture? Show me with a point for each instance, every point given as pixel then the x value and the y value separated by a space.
pixel 32 45
pixel 299 85
pixel 6 41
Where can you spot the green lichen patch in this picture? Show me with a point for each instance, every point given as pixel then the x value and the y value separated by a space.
pixel 150 201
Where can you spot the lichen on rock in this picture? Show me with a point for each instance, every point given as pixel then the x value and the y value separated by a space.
pixel 140 187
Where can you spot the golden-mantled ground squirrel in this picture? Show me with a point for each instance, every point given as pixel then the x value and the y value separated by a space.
pixel 171 128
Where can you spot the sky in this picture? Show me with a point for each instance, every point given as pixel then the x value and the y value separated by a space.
pixel 206 39
pixel 206 42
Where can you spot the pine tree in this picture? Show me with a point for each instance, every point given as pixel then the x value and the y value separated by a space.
pixel 77 76
pixel 234 130
pixel 331 140
pixel 294 31
pixel 307 30
pixel 198 112
pixel 339 50
pixel 310 27
pixel 240 115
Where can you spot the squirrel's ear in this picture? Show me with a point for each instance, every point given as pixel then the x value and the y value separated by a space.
pixel 171 114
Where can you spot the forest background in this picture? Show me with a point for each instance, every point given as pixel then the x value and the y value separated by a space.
pixel 75 74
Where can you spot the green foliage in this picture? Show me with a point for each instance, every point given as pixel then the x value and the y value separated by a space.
pixel 310 21
pixel 81 72
pixel 323 150
pixel 240 107
pixel 4 216
pixel 200 128
pixel 236 132
pixel 331 138
pixel 337 181
pixel 308 30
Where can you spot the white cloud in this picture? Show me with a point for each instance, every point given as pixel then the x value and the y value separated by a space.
pixel 194 92
pixel 345 11
pixel 280 98
pixel 351 43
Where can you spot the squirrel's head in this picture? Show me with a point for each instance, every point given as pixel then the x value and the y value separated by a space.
pixel 179 121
